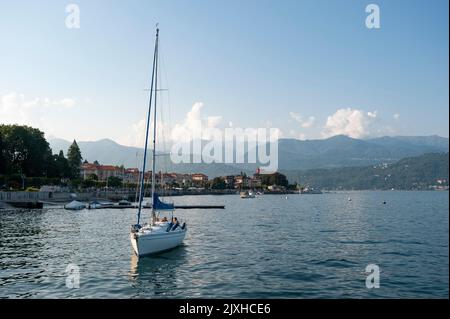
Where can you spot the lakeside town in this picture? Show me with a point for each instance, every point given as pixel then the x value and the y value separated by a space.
pixel 121 176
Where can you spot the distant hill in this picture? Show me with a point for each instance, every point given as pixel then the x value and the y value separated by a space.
pixel 408 144
pixel 341 151
pixel 410 173
pixel 337 151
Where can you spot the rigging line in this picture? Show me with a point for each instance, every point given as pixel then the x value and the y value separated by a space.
pixel 139 178
pixel 165 159
pixel 168 125
pixel 169 107
pixel 146 132
pixel 162 166
pixel 166 128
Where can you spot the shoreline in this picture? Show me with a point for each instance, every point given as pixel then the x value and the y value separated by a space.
pixel 24 196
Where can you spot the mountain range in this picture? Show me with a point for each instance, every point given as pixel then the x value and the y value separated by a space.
pixel 293 154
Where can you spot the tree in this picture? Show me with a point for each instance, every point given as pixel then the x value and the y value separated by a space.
pixel 218 183
pixel 63 165
pixel 274 179
pixel 96 162
pixel 59 166
pixel 23 150
pixel 88 183
pixel 92 177
pixel 74 157
pixel 114 181
pixel 2 155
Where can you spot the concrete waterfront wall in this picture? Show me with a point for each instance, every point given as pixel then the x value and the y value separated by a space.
pixel 114 195
pixel 59 196
pixel 33 196
pixel 23 196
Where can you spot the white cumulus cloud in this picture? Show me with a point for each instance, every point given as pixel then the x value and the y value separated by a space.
pixel 15 108
pixel 350 122
pixel 372 114
pixel 194 124
pixel 305 123
pixel 136 135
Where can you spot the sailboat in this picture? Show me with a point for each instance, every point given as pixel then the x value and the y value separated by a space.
pixel 160 234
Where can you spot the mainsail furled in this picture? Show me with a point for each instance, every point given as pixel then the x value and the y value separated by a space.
pixel 159 205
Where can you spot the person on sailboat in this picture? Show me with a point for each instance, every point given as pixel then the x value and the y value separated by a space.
pixel 176 223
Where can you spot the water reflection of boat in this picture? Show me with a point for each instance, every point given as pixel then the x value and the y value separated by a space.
pixel 149 275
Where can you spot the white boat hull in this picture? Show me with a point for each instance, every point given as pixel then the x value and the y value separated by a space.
pixel 75 205
pixel 152 243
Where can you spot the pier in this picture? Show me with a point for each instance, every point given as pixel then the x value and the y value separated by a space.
pixel 200 207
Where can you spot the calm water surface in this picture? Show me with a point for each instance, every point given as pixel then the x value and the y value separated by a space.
pixel 305 246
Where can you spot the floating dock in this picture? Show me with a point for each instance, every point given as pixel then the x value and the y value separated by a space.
pixel 200 207
pixel 26 204
pixel 147 207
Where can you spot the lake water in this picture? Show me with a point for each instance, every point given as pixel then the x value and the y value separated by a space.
pixel 305 246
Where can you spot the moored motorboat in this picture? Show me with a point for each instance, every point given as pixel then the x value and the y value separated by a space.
pixel 95 205
pixel 124 202
pixel 75 205
pixel 310 190
pixel 247 194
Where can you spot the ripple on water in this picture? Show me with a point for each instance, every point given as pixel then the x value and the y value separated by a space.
pixel 306 247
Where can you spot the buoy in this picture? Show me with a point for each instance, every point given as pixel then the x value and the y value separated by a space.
pixel 349 199
pixel 384 202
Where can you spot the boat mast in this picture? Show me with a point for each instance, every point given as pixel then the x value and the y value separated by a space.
pixel 154 128
pixel 141 189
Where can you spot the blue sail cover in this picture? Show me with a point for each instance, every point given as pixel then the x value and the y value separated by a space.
pixel 159 205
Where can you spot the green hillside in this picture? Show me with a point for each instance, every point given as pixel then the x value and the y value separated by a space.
pixel 427 171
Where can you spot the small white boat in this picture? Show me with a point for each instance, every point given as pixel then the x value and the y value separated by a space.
pixel 124 202
pixel 247 194
pixel 95 205
pixel 311 190
pixel 75 205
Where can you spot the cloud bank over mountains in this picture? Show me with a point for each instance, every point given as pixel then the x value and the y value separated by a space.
pixel 16 108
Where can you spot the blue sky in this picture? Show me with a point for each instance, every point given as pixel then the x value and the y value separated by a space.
pixel 310 68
